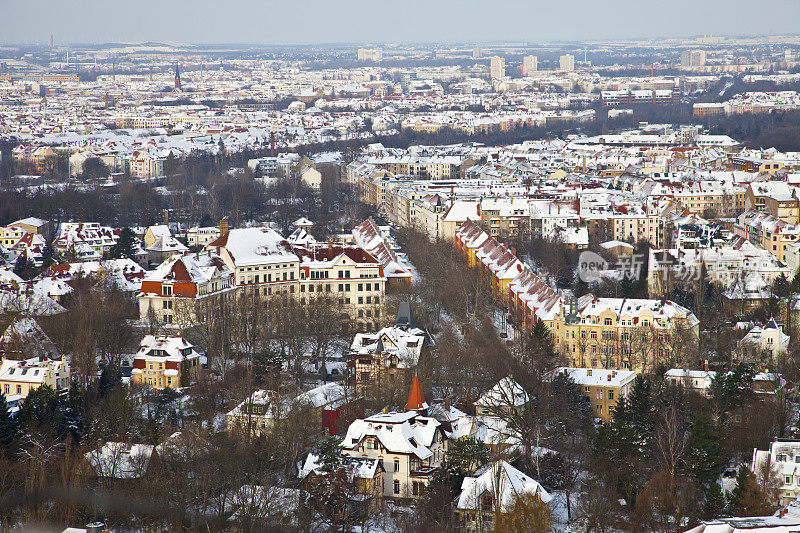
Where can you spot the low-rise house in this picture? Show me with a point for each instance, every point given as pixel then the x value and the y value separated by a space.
pixel 197 236
pixel 411 445
pixel 386 356
pixel 696 380
pixel 165 362
pixel 24 339
pixel 120 460
pixel 782 462
pixel 767 339
pixel 365 475
pixel 331 405
pixel 603 387
pixel 22 377
pixel 491 491
pixel 506 395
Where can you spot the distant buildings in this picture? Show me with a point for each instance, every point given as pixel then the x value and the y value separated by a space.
pixel 497 67
pixel 566 63
pixel 693 58
pixel 530 64
pixel 370 54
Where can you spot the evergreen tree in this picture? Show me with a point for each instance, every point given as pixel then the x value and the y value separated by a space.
pixel 781 286
pixel 41 409
pixel 330 454
pixel 72 412
pixel 125 246
pixel 747 498
pixel 24 268
pixel 704 451
pixel 110 379
pixel 9 430
pixel 731 390
pixel 714 502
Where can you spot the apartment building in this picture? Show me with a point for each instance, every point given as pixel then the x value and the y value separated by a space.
pixel 625 333
pixel 775 198
pixel 348 276
pixel 197 236
pixel 603 387
pixel 497 67
pixel 142 164
pixel 164 361
pixel 530 64
pixel 722 265
pixel 505 218
pixel 767 231
pixel 566 63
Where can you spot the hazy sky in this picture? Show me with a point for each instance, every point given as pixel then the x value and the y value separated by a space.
pixel 326 21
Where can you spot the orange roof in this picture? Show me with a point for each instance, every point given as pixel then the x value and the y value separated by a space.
pixel 416 400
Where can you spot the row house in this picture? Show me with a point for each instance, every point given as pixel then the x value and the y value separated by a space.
pixel 767 231
pixel 496 260
pixel 170 294
pixel 411 445
pixel 164 361
pixel 590 332
pixel 376 240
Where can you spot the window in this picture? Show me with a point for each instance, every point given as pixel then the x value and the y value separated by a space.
pixel 396 486
pixel 607 321
pixel 396 465
pixel 166 290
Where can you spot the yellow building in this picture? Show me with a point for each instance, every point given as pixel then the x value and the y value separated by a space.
pixel 165 362
pixel 604 388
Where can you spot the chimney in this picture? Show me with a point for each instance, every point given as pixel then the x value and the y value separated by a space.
pixel 588 371
pixel 705 365
pixel 223 226
pixel 609 377
pixel 166 217
pixel 447 403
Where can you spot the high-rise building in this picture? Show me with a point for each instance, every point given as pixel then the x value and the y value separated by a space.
pixel 477 53
pixel 530 64
pixel 370 54
pixel 693 58
pixel 566 63
pixel 497 67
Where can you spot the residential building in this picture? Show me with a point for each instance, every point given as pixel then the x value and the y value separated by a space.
pixel 695 380
pixel 411 445
pixel 165 362
pixel 783 458
pixel 21 377
pixel 566 63
pixel 603 387
pixel 173 292
pixel 530 64
pixel 491 491
pixel 497 67
pixel 388 356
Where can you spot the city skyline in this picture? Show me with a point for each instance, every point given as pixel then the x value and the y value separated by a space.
pixel 359 21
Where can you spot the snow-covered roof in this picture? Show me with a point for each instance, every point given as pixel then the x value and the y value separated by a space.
pixel 499 480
